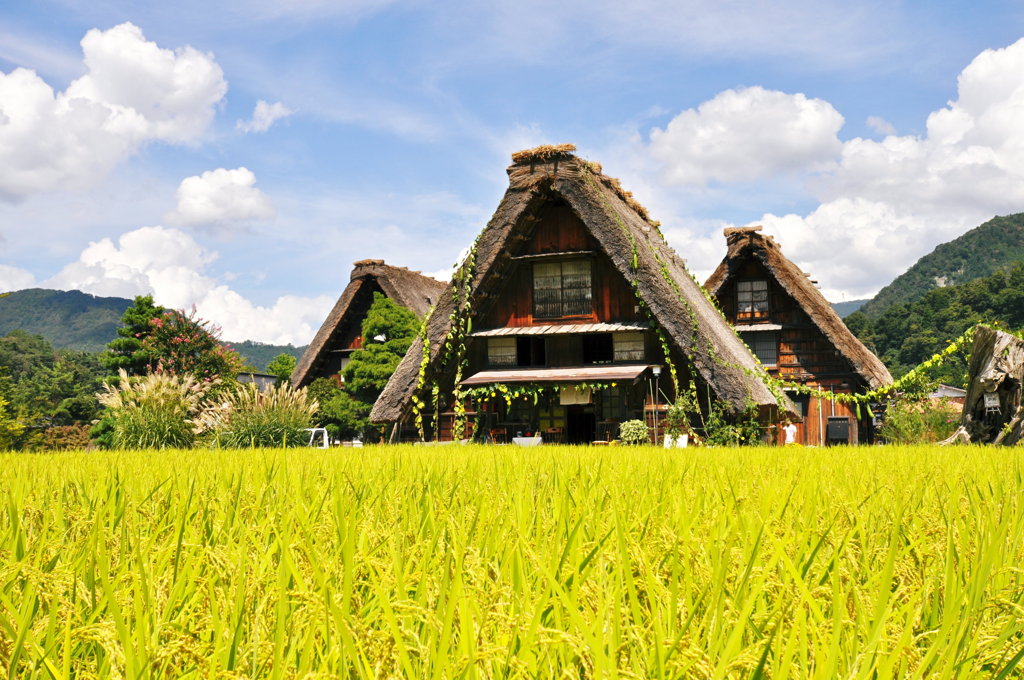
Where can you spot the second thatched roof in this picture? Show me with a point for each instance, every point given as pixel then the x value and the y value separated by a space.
pixel 747 242
pixel 407 288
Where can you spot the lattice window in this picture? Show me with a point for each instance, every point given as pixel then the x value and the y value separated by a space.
pixel 562 288
pixel 764 345
pixel 628 346
pixel 501 352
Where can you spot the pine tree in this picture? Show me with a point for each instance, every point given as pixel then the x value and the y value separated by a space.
pixel 127 350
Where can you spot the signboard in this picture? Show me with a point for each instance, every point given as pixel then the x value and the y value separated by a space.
pixel 991 401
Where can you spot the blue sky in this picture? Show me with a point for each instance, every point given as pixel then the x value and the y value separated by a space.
pixel 240 155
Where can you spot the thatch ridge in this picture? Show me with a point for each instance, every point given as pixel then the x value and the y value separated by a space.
pixel 542 153
pixel 747 242
pixel 616 223
pixel 406 287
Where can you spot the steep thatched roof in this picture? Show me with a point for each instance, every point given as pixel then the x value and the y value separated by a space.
pixel 635 247
pixel 746 243
pixel 410 289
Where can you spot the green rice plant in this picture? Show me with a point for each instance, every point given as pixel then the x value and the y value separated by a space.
pixel 155 411
pixel 274 417
pixel 501 562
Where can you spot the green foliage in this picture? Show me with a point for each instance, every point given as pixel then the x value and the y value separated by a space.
pixel 155 411
pixel 388 331
pixel 67 319
pixel 634 432
pixel 721 428
pixel 282 366
pixel 127 351
pixel 910 421
pixel 907 334
pixel 677 417
pixel 46 388
pixel 11 428
pixel 273 418
pixel 180 344
pixel 259 355
pixel 979 253
pixel 344 416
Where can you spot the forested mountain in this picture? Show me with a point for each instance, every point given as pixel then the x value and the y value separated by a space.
pixel 68 319
pixel 71 319
pixel 847 307
pixel 983 250
pixel 906 334
pixel 259 355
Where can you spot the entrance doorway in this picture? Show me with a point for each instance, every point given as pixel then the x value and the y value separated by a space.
pixel 580 424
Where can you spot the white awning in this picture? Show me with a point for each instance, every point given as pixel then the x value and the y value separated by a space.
pixel 750 328
pixel 559 329
pixel 576 374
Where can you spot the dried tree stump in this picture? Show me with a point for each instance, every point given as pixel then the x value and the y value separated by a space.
pixel 993 413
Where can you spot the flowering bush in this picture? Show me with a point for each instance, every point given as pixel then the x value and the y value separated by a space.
pixel 180 343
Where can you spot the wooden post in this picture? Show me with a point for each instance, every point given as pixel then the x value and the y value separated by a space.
pixel 993 413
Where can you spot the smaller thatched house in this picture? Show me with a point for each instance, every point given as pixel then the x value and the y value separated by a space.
pixel 571 300
pixel 797 336
pixel 341 333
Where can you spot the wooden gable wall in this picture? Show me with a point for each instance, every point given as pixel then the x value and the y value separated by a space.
pixel 559 230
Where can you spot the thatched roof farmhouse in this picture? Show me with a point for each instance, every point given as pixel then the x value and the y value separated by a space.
pixel 570 259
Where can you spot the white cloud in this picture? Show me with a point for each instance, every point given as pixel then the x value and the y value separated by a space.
pixel 880 125
pixel 263 116
pixel 221 198
pixel 170 265
pixel 880 205
pixel 747 134
pixel 133 92
pixel 15 278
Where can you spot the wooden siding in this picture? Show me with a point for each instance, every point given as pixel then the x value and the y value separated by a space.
pixel 559 230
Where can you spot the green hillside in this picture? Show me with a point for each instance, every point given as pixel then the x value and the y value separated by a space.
pixel 68 319
pixel 259 355
pixel 71 319
pixel 906 334
pixel 847 307
pixel 980 252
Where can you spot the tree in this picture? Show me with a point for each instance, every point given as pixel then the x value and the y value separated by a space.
pixel 178 343
pixel 45 388
pixel 282 366
pixel 127 350
pixel 388 331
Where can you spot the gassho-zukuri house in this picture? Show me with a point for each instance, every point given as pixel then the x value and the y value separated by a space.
pixel 793 330
pixel 570 315
pixel 342 331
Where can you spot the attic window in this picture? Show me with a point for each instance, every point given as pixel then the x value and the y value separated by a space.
pixel 562 288
pixel 752 299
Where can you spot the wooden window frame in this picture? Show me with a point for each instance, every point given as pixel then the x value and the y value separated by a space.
pixel 567 308
pixel 752 299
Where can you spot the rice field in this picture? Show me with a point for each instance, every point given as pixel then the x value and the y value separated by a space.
pixel 556 562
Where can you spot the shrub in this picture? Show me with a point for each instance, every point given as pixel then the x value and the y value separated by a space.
pixel 64 437
pixel 156 411
pixel 925 421
pixel 276 417
pixel 634 432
